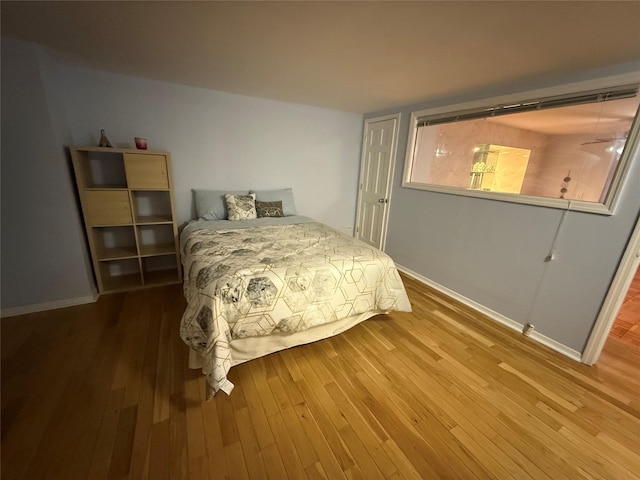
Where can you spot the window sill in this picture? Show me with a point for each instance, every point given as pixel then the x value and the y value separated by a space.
pixel 559 203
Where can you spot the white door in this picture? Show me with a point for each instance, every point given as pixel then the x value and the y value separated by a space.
pixel 376 175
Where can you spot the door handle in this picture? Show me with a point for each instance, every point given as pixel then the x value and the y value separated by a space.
pixel 383 200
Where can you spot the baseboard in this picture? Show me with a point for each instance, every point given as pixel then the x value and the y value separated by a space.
pixel 498 317
pixel 41 307
pixel 557 346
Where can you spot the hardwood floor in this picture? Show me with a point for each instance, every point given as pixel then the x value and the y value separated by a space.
pixel 626 327
pixel 102 391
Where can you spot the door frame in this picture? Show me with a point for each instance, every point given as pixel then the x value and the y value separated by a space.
pixel 615 296
pixel 392 168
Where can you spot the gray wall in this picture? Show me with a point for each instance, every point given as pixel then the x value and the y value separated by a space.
pixel 43 245
pixel 493 252
pixel 225 141
pixel 216 140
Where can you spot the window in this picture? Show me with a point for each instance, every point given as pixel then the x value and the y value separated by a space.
pixel 544 150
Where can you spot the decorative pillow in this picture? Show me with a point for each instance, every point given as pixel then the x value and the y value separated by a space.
pixel 269 209
pixel 211 204
pixel 285 195
pixel 241 207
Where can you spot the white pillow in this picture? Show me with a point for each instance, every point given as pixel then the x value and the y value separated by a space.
pixel 241 207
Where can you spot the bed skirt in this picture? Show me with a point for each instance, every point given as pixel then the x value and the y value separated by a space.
pixel 245 349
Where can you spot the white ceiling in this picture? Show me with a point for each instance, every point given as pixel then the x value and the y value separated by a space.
pixel 356 56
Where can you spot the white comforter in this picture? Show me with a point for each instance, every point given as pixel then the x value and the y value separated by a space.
pixel 261 280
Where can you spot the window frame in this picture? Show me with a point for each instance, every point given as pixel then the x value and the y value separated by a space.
pixel 607 207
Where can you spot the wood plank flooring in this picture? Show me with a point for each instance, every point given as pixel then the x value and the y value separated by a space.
pixel 102 391
pixel 627 324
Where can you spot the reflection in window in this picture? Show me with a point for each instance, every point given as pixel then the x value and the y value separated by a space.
pixel 498 168
pixel 560 147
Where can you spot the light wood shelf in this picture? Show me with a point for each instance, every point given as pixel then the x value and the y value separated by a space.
pixel 153 219
pixel 122 283
pixel 116 253
pixel 152 250
pixel 161 277
pixel 127 204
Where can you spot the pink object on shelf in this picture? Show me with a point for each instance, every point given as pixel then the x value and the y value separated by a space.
pixel 141 143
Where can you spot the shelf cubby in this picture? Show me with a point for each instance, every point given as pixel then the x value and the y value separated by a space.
pixel 155 240
pixel 120 275
pixel 113 243
pixel 150 206
pixel 159 270
pixel 103 169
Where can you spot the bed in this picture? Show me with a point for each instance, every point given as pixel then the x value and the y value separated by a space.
pixel 255 286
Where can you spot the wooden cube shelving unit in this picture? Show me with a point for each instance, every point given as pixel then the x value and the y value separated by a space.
pixel 128 210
